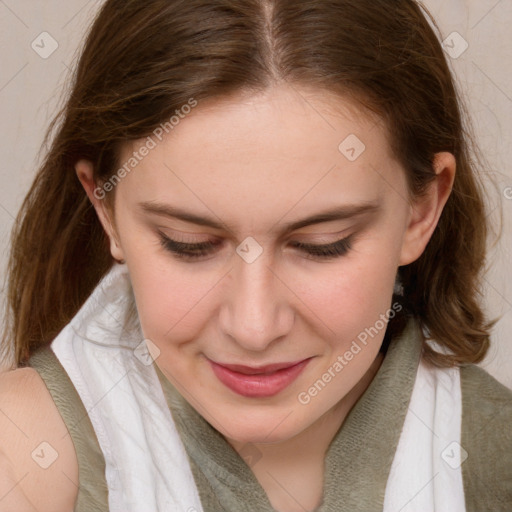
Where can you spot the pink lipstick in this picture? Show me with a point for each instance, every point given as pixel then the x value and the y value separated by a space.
pixel 258 382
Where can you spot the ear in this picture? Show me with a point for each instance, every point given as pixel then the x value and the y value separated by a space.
pixel 85 172
pixel 426 210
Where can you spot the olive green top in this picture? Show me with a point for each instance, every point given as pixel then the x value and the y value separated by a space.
pixel 93 489
pixel 359 457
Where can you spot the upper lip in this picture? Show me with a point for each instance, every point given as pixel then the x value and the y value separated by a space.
pixel 252 370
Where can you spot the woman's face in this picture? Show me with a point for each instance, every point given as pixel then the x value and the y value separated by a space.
pixel 262 175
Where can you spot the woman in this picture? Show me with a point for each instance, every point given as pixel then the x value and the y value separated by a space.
pixel 247 275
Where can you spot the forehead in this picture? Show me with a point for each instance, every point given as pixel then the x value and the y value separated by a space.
pixel 266 153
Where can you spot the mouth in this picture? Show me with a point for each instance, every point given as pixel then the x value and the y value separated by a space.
pixel 258 382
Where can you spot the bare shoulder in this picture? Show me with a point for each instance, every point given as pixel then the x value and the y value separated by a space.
pixel 38 463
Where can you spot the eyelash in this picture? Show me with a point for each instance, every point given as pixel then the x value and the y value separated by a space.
pixel 189 251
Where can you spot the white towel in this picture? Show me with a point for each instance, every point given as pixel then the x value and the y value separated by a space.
pixel 426 472
pixel 147 469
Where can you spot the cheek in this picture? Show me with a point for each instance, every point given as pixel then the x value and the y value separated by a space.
pixel 170 297
pixel 351 302
pixel 350 295
pixel 172 303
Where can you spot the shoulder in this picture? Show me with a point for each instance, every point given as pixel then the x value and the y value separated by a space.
pixel 489 387
pixel 36 450
pixel 486 398
pixel 486 436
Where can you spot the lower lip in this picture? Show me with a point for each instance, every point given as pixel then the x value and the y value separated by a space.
pixel 258 386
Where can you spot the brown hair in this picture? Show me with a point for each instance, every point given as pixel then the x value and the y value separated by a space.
pixel 144 59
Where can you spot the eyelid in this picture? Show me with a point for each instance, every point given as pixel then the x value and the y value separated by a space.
pixel 320 245
pixel 188 245
pixel 196 252
pixel 182 237
pixel 339 246
pixel 176 236
pixel 213 242
pixel 318 238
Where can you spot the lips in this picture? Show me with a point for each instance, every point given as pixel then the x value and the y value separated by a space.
pixel 258 382
pixel 254 370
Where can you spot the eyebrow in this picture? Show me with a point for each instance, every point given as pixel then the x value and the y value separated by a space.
pixel 338 213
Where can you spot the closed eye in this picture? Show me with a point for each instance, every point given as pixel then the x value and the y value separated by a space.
pixel 191 252
pixel 334 250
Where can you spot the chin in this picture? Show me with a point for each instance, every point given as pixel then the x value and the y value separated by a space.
pixel 251 436
pixel 263 429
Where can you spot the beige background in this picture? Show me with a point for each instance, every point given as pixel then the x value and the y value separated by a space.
pixel 31 90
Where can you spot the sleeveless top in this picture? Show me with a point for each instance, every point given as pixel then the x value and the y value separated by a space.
pixel 418 439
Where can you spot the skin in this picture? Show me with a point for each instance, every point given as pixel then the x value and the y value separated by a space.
pixel 29 417
pixel 255 163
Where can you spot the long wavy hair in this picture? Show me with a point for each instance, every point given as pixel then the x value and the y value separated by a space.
pixel 144 59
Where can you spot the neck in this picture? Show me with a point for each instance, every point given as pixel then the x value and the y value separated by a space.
pixel 297 464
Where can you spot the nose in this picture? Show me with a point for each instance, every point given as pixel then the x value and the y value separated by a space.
pixel 256 311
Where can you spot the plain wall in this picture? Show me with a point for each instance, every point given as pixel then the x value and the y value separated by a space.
pixel 31 90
